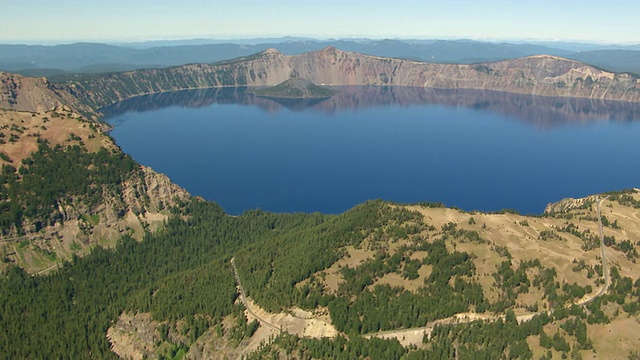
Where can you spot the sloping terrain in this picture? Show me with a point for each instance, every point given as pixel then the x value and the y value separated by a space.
pixel 533 280
pixel 534 75
pixel 334 285
pixel 22 93
pixel 546 273
pixel 66 187
pixel 26 94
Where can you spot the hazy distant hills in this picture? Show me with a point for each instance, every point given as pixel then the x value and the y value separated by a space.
pixel 40 60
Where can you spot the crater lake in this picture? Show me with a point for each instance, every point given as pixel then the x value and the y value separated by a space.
pixel 476 150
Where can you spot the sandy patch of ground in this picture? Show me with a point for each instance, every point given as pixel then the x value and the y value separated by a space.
pixel 297 321
pixel 615 340
pixel 132 337
pixel 419 255
pixel 407 337
pixel 395 279
pixel 262 336
pixel 332 277
pixel 415 336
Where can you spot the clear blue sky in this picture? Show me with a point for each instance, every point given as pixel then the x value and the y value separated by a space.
pixel 33 21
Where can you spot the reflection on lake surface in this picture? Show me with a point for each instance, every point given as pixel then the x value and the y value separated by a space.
pixel 472 149
pixel 539 111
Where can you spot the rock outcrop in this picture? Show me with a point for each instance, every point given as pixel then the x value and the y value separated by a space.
pixel 568 204
pixel 24 93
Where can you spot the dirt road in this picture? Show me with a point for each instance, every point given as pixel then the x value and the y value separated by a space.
pixel 246 303
pixel 414 336
pixel 605 272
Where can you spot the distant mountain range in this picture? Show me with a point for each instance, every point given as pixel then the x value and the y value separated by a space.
pixel 40 60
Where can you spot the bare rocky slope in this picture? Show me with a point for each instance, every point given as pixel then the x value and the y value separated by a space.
pixel 22 93
pixel 535 75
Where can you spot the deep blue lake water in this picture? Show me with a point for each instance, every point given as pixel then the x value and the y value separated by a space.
pixel 471 149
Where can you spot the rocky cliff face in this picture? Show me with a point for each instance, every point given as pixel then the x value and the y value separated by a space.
pixel 24 93
pixel 140 203
pixel 535 75
pixel 133 203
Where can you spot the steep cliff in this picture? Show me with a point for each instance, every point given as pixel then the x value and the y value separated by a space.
pixel 66 187
pixel 24 93
pixel 534 75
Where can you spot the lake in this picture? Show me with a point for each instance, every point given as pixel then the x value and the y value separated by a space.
pixel 475 150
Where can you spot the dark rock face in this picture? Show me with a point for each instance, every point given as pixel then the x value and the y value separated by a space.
pixel 296 88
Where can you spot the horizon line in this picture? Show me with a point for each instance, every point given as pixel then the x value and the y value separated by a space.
pixel 231 39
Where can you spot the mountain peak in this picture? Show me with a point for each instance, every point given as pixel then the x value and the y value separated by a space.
pixel 551 57
pixel 330 50
pixel 271 51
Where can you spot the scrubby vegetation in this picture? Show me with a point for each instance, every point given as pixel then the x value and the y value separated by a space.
pixel 53 176
pixel 181 275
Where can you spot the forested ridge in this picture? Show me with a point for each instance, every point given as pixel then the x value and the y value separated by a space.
pixel 185 267
pixel 51 176
pixel 181 276
pixel 182 273
pixel 175 273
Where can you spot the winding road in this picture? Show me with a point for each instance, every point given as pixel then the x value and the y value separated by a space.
pixel 418 332
pixel 243 297
pixel 605 272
